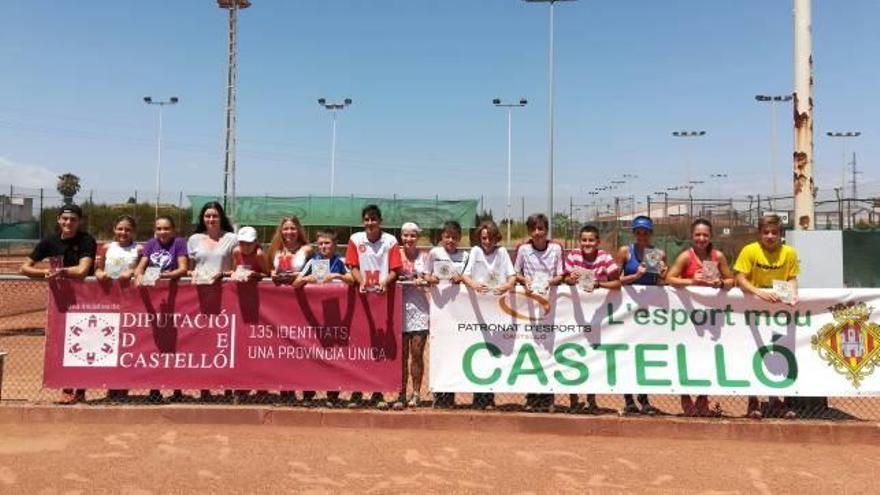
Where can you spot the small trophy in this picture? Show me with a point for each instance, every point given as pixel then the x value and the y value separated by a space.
pixel 710 271
pixel 114 267
pixel 492 279
pixel 783 290
pixel 540 282
pixel 285 265
pixel 587 279
pixel 241 274
pixel 443 269
pixel 321 270
pixel 202 276
pixel 653 259
pixel 151 275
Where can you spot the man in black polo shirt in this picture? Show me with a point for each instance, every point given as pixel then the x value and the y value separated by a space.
pixel 71 254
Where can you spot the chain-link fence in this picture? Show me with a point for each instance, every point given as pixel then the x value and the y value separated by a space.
pixel 22 339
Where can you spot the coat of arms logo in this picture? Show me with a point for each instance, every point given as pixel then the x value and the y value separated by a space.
pixel 91 340
pixel 851 344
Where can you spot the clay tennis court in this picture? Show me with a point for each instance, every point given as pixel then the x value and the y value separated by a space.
pixel 163 458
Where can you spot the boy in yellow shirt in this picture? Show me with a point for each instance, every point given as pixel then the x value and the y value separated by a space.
pixel 762 262
pixel 757 267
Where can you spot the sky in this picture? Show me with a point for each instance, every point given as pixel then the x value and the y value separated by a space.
pixel 422 74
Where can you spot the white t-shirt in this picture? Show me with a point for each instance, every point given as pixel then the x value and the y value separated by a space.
pixel 530 260
pixel 297 260
pixel 458 260
pixel 211 257
pixel 117 259
pixel 481 266
pixel 374 259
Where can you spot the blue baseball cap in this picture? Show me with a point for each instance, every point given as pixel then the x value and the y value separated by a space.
pixel 642 222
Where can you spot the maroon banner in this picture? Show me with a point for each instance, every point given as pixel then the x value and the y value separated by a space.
pixel 230 335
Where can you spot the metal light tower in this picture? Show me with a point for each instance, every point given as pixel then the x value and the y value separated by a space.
pixel 773 101
pixel 333 107
pixel 550 150
pixel 231 79
pixel 161 104
pixel 509 106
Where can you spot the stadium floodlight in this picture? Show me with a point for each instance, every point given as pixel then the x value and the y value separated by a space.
pixel 333 107
pixel 161 104
pixel 509 106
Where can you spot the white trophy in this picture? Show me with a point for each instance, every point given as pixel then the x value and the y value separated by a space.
pixel 710 271
pixel 587 279
pixel 540 282
pixel 443 269
pixel 653 259
pixel 321 270
pixel 151 275
pixel 203 276
pixel 783 289
pixel 241 274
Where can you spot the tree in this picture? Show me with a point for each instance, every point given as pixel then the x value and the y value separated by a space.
pixel 68 186
pixel 131 200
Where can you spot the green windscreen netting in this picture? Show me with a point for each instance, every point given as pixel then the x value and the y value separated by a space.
pixel 345 211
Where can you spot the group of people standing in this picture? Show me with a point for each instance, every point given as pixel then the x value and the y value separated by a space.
pixel 374 260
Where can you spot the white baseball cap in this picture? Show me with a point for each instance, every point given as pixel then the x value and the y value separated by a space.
pixel 411 226
pixel 247 234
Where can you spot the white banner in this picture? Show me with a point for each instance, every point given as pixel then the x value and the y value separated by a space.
pixel 655 340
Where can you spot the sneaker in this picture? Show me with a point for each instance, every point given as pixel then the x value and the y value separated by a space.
pixel 356 400
pixel 377 400
pixel 631 408
pixel 206 396
pixel 415 401
pixel 155 397
pixel 649 410
pixel 754 409
pixel 591 408
pixel 332 400
pixel 70 397
pixel 789 414
pixel 574 404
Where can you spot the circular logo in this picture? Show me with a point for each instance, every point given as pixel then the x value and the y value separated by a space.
pixel 508 304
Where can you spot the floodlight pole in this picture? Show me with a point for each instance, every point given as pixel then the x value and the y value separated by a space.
pixel 551 123
pixel 161 104
pixel 333 107
pixel 509 106
pixel 231 82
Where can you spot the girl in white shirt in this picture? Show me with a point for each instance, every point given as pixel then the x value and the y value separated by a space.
pixel 489 267
pixel 210 248
pixel 289 250
pixel 119 258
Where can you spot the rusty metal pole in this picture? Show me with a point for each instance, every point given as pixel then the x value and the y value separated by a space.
pixel 804 186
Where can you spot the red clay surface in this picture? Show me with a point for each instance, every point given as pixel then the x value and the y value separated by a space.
pixel 88 458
